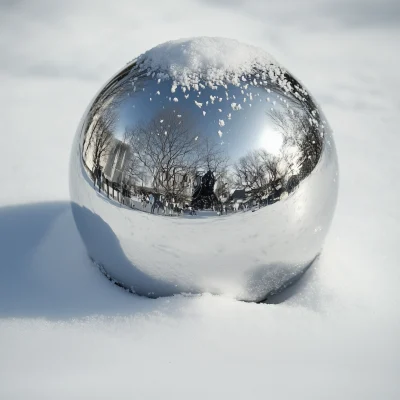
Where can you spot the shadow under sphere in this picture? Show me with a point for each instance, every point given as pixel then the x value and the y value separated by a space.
pixel 224 184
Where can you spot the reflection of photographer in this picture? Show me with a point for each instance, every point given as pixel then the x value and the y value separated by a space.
pixel 203 195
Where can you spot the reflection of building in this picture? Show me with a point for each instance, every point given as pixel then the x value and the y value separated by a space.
pixel 117 161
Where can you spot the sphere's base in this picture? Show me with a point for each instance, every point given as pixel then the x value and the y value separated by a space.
pixel 269 297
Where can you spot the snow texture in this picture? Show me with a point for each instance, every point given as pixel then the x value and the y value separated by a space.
pixel 216 61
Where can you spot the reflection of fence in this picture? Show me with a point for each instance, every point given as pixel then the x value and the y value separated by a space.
pixel 111 189
pixel 116 191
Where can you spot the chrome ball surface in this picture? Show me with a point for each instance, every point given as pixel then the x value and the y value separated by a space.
pixel 191 177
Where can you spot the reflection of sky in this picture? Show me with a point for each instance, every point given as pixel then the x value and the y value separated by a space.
pixel 239 131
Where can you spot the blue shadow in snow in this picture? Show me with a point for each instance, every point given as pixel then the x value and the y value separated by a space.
pixel 45 271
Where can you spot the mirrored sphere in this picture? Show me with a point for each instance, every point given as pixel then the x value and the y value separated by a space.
pixel 223 183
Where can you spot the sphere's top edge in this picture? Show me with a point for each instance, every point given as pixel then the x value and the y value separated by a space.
pixel 214 60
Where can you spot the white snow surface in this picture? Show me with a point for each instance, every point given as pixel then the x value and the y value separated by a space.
pixel 67 333
pixel 214 60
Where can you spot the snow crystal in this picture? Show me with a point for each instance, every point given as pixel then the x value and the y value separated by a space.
pixel 176 99
pixel 204 113
pixel 221 122
pixel 220 133
pixel 198 104
pixel 236 106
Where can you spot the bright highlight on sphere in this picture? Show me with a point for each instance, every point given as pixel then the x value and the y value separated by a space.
pixel 203 166
pixel 271 141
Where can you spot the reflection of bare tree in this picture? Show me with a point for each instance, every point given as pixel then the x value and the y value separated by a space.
pixel 300 124
pixel 212 157
pixel 168 150
pixel 276 170
pixel 259 173
pixel 102 138
pixel 300 132
pixel 225 184
pixel 116 90
pixel 173 156
pixel 251 174
pixel 134 172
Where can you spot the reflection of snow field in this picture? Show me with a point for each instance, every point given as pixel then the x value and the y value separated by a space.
pixel 244 252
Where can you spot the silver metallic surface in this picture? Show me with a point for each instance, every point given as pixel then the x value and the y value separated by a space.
pixel 228 190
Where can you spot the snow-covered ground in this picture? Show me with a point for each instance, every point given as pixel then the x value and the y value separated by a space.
pixel 66 332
